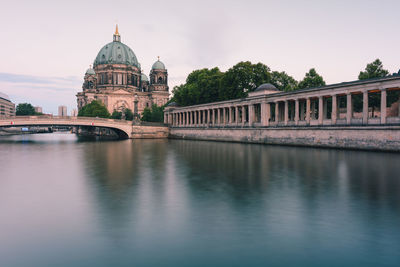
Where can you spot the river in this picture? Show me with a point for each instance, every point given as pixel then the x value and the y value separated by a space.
pixel 66 202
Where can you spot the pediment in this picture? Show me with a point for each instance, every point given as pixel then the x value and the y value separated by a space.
pixel 121 92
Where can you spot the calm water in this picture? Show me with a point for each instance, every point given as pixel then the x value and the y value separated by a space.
pixel 188 203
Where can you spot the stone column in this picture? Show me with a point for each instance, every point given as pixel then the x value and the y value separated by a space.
pixel 349 109
pixel 308 110
pixel 264 118
pixel 208 116
pixel 276 112
pixel 296 112
pixel 224 116
pixel 236 115
pixel 230 115
pixel 213 117
pixel 383 106
pixel 365 107
pixel 302 114
pixel 251 114
pixel 321 110
pixel 286 112
pixel 334 109
pixel 243 115
pixel 195 122
pixel 325 109
pixel 218 116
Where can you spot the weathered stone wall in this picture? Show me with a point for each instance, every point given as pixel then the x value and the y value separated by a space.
pixel 385 138
pixel 149 132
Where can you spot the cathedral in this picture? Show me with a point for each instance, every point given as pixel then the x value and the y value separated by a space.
pixel 117 80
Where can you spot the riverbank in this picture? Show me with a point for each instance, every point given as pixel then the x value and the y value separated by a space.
pixel 377 138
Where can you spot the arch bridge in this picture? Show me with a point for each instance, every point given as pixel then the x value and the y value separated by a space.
pixel 121 127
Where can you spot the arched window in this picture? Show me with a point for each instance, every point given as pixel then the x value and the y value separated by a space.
pixel 160 80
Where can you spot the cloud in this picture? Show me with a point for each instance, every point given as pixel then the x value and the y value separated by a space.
pixel 47 92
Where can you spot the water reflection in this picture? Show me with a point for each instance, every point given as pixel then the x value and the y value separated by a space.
pixel 172 202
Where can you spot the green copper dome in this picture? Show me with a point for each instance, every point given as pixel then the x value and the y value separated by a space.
pixel 144 78
pixel 158 65
pixel 116 53
pixel 90 71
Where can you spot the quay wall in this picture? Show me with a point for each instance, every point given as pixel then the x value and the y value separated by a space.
pixel 382 138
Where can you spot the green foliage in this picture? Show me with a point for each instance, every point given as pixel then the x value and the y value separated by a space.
pixel 242 78
pixel 116 115
pixel 155 114
pixel 373 70
pixel 25 109
pixel 211 85
pixel 311 79
pixel 94 109
pixel 283 81
pixel 128 114
pixel 202 86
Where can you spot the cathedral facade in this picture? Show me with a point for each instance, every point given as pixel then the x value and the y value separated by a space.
pixel 117 80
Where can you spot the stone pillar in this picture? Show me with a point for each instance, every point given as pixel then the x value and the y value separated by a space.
pixel 286 112
pixel 243 115
pixel 296 112
pixel 165 118
pixel 251 114
pixel 308 110
pixel 325 109
pixel 264 115
pixel 365 107
pixel 213 117
pixel 334 109
pixel 195 122
pixel 383 106
pixel 277 112
pixel 218 121
pixel 321 110
pixel 230 115
pixel 237 115
pixel 224 116
pixel 349 109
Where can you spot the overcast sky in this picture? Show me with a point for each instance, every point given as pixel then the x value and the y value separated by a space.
pixel 48 45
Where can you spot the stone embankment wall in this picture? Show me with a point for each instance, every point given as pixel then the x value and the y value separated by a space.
pixel 149 132
pixel 384 138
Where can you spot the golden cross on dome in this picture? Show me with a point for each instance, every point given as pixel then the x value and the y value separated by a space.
pixel 158 58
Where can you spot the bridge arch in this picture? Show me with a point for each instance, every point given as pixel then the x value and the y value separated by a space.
pixel 122 128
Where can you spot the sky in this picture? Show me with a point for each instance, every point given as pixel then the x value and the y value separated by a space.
pixel 48 45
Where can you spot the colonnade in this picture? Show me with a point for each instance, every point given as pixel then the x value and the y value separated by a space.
pixel 306 108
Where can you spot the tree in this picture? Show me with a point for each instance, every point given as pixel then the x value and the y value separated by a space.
pixel 155 114
pixel 311 79
pixel 242 78
pixel 283 81
pixel 25 109
pixel 373 70
pixel 94 109
pixel 202 86
pixel 128 114
pixel 116 115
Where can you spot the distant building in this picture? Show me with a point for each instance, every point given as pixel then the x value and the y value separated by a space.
pixel 38 109
pixel 7 108
pixel 74 112
pixel 117 80
pixel 62 111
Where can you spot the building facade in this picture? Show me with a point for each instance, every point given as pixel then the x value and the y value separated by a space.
pixel 117 80
pixel 62 111
pixel 7 108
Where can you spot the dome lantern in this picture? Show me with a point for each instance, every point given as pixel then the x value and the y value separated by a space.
pixel 116 36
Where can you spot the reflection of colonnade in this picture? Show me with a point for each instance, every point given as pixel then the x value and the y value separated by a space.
pixel 339 104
